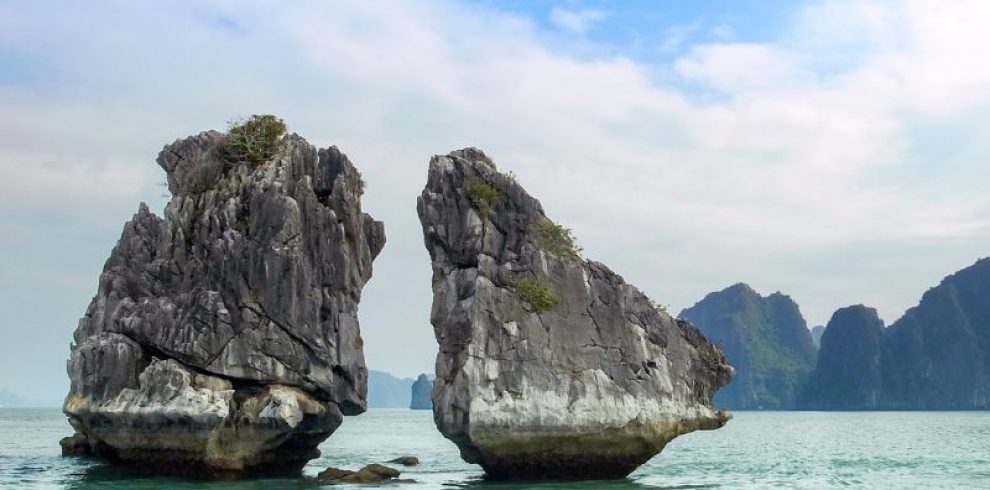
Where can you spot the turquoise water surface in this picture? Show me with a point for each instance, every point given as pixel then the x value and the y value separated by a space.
pixel 801 450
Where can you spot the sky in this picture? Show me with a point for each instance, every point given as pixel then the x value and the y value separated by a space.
pixel 836 151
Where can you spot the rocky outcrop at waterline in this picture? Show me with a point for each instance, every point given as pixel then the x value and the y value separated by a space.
pixel 372 473
pixel 224 338
pixel 550 365
pixel 77 445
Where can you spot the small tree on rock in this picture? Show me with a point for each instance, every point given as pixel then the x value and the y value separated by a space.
pixel 254 140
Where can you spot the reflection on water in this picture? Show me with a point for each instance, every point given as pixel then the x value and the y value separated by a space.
pixel 102 476
pixel 626 484
pixel 99 475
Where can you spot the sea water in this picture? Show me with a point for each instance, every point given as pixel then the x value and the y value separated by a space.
pixel 800 450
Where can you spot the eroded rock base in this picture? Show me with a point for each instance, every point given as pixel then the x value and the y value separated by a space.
pixel 604 454
pixel 185 423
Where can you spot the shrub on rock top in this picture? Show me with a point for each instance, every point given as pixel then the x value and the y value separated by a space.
pixel 254 140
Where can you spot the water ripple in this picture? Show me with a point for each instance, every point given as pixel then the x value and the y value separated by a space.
pixel 756 450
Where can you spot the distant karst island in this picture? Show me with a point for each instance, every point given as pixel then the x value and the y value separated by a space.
pixel 935 357
pixel 422 393
pixel 932 358
pixel 765 338
pixel 388 391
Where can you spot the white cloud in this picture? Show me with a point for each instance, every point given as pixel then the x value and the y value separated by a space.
pixel 575 21
pixel 736 66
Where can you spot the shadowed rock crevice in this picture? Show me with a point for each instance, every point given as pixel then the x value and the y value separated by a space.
pixel 550 366
pixel 224 339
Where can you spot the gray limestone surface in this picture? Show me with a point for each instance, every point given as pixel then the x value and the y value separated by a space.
pixel 224 336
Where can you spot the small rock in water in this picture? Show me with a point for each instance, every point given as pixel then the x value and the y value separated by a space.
pixel 369 474
pixel 333 474
pixel 406 461
pixel 75 445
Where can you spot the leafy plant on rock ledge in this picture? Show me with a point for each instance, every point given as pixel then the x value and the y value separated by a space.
pixel 533 291
pixel 558 240
pixel 483 196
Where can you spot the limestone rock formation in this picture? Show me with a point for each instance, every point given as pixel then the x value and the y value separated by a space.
pixel 938 353
pixel 550 366
pixel 224 338
pixel 935 357
pixel 421 393
pixel 765 338
pixel 848 375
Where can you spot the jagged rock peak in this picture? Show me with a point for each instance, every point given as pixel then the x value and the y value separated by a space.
pixel 224 338
pixel 544 354
pixel 848 372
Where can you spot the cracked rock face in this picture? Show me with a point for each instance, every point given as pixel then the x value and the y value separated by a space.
pixel 590 387
pixel 224 337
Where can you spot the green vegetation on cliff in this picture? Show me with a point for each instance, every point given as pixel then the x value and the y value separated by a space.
pixel 557 239
pixel 483 195
pixel 533 291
